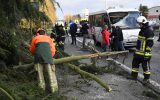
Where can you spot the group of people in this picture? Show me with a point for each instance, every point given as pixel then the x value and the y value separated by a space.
pixel 113 40
pixel 43 49
pixel 142 54
pixel 83 30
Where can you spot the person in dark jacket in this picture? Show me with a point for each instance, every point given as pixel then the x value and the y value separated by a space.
pixel 84 32
pixel 114 39
pixel 120 39
pixel 143 54
pixel 43 49
pixel 73 30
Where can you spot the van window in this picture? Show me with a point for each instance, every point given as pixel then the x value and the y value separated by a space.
pixel 124 19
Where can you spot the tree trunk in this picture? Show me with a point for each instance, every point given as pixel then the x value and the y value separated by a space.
pixel 92 76
pixel 74 58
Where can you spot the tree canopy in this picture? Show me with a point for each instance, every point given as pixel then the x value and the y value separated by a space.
pixel 144 10
pixel 18 20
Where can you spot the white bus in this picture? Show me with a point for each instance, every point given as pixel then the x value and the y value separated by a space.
pixel 122 17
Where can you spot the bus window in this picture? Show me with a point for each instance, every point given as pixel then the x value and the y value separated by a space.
pixel 98 20
pixel 106 20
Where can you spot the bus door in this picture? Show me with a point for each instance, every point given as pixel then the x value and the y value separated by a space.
pixel 107 21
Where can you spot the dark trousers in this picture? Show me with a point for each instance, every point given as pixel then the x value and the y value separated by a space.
pixel 137 60
pixel 115 44
pixel 105 47
pixel 73 39
pixel 94 39
pixel 61 43
pixel 84 39
pixel 158 37
pixel 121 46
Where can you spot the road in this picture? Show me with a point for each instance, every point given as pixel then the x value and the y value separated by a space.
pixel 154 64
pixel 73 86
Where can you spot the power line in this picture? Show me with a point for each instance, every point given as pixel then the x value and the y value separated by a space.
pixel 58 4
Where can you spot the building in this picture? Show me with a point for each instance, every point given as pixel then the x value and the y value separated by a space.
pixel 154 13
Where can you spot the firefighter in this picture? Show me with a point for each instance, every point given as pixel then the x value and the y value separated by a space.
pixel 43 49
pixel 53 36
pixel 142 54
pixel 60 37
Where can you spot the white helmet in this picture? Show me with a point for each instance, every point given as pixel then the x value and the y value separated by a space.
pixel 142 19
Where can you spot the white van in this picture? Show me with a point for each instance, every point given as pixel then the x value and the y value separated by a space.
pixel 122 17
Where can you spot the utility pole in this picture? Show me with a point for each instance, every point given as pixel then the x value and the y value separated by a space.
pixel 105 4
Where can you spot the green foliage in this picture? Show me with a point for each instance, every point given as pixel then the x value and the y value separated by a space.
pixel 12 34
pixel 22 86
pixel 143 10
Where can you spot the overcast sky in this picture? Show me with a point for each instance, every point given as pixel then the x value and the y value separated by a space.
pixel 77 6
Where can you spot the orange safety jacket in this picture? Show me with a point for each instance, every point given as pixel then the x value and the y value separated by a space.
pixel 43 49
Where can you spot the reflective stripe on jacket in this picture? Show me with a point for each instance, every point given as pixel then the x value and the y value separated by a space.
pixel 145 42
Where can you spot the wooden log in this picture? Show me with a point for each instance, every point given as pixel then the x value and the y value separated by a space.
pixel 92 76
pixel 74 58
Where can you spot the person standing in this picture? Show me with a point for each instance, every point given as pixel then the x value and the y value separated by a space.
pixel 159 30
pixel 120 39
pixel 159 35
pixel 92 29
pixel 143 54
pixel 65 26
pixel 61 38
pixel 43 49
pixel 73 30
pixel 84 32
pixel 105 38
pixel 114 37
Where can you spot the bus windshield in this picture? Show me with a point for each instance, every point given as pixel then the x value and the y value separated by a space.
pixel 125 20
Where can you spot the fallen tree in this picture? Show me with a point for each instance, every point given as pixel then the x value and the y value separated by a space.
pixel 77 69
pixel 92 76
pixel 75 58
